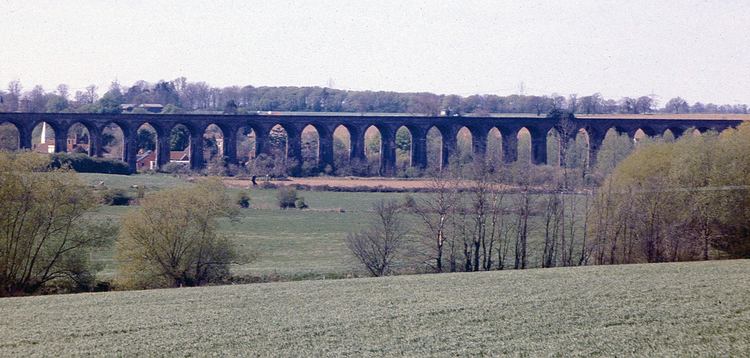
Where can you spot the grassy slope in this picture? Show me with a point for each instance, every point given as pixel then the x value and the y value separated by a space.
pixel 683 309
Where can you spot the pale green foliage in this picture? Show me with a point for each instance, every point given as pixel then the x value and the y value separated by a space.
pixel 172 239
pixel 661 310
pixel 45 234
pixel 614 149
pixel 677 201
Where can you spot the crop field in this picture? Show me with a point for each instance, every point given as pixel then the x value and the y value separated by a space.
pixel 683 309
pixel 291 243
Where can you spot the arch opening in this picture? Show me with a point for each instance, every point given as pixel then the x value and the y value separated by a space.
pixel 272 160
pixel 434 149
pixel 524 146
pixel 494 154
pixel 213 149
pixel 10 137
pixel 278 140
pixel 180 141
pixel 147 149
pixel 246 145
pixel 43 138
pixel 113 142
pixel 373 150
pixel 403 150
pixel 668 135
pixel 555 148
pixel 310 151
pixel 342 150
pixel 464 148
pixel 78 139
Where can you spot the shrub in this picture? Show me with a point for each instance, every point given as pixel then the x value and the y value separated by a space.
pixel 176 168
pixel 83 163
pixel 243 200
pixel 287 197
pixel 178 224
pixel 300 203
pixel 116 197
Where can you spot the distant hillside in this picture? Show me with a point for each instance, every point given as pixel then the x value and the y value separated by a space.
pixel 700 308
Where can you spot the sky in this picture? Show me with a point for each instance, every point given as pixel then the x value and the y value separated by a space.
pixel 699 50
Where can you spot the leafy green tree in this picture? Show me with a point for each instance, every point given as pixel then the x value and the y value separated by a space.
pixel 45 234
pixel 172 240
pixel 146 138
pixel 403 139
pixel 179 138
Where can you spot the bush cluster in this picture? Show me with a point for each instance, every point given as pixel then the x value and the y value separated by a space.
pixel 116 197
pixel 83 163
pixel 287 197
pixel 243 200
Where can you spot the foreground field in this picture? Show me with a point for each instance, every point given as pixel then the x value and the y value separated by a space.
pixel 685 309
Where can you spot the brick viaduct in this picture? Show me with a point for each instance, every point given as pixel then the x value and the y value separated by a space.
pixel 356 124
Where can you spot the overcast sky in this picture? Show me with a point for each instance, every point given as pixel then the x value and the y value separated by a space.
pixel 699 50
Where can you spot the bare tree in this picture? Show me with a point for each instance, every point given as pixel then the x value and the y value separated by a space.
pixel 435 212
pixel 523 207
pixel 378 246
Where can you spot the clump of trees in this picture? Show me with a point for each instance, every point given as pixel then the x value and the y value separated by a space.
pixel 172 239
pixel 686 200
pixel 45 234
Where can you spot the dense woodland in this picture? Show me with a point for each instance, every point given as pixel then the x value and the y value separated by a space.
pixel 180 95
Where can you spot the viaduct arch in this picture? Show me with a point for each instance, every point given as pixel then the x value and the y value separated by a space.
pixel 356 125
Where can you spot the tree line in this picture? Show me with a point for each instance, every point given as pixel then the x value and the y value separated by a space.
pixel 181 95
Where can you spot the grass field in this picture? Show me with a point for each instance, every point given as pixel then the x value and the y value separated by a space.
pixel 684 309
pixel 290 243
pixel 287 242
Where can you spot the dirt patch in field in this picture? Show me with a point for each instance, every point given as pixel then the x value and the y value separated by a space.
pixel 344 182
pixel 356 184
